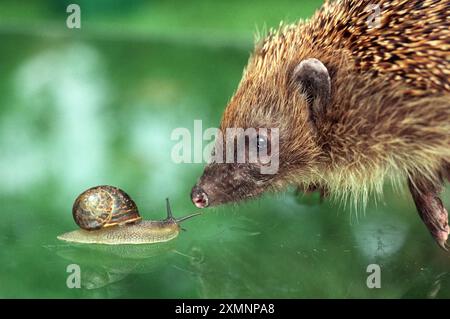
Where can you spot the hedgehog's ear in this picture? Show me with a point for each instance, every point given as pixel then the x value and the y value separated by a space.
pixel 314 80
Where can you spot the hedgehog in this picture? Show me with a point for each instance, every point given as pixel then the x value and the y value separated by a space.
pixel 360 96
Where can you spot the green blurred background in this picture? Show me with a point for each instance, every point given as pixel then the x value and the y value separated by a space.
pixel 97 105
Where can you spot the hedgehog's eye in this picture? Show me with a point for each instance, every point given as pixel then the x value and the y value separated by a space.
pixel 261 142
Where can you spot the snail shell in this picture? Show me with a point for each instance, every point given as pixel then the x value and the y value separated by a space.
pixel 104 206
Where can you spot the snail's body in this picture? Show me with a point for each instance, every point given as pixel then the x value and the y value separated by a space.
pixel 145 232
pixel 107 215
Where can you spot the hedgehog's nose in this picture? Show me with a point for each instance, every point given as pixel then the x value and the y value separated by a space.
pixel 199 197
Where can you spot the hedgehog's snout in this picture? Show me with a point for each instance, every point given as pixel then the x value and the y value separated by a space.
pixel 199 197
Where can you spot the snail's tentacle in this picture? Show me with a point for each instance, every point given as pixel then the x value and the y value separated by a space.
pixel 181 219
pixel 169 210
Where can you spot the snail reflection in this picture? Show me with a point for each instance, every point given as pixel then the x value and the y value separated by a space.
pixel 102 265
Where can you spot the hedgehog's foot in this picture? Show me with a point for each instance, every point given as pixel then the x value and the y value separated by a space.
pixel 431 209
pixel 311 189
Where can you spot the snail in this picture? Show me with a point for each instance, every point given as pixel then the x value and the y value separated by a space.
pixel 107 215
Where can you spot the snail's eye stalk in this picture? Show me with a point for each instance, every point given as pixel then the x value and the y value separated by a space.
pixel 169 210
pixel 179 220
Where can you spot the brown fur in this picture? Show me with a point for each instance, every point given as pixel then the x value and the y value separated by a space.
pixel 389 113
pixel 376 125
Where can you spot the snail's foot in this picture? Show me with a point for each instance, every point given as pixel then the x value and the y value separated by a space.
pixel 431 210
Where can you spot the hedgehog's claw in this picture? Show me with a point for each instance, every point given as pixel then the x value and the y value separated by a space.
pixel 431 211
pixel 441 233
pixel 435 218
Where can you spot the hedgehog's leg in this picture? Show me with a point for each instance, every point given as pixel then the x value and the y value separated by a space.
pixel 446 171
pixel 431 210
pixel 311 189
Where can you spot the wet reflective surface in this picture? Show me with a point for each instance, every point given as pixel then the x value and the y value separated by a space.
pixel 79 111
